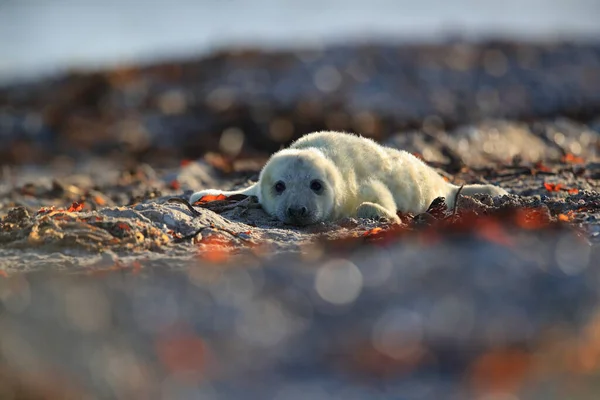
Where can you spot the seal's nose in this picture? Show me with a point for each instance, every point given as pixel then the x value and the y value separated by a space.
pixel 297 212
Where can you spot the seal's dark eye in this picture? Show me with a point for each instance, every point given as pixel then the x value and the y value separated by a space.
pixel 279 187
pixel 316 186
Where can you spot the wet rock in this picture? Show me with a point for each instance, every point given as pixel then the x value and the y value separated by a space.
pixel 17 215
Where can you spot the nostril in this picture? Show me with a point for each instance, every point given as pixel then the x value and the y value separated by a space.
pixel 297 212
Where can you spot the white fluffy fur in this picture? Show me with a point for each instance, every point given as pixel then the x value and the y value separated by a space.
pixel 360 177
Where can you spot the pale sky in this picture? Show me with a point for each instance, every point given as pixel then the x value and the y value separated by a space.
pixel 41 36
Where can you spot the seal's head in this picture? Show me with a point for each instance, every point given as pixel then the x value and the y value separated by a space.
pixel 300 187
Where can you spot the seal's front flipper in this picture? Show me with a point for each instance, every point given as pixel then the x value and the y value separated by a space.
pixel 375 211
pixel 249 191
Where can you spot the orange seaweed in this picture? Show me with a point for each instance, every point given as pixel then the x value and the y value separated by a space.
pixel 373 231
pixel 553 187
pixel 540 166
pixel 76 207
pixel 210 197
pixel 531 218
pixel 174 184
pixel 124 226
pixel 566 217
pixel 571 159
pixel 44 210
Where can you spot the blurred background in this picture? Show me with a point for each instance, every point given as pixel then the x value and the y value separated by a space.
pixel 155 80
pixel 41 37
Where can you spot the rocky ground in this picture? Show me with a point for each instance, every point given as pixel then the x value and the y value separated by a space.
pixel 91 215
pixel 113 287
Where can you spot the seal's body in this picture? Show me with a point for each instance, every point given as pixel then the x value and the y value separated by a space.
pixel 325 176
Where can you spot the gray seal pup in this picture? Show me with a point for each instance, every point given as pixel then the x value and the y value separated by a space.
pixel 328 175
